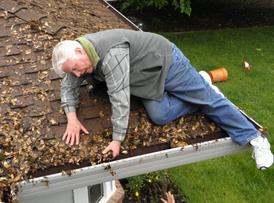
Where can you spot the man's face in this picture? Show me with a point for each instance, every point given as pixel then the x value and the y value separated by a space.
pixel 78 65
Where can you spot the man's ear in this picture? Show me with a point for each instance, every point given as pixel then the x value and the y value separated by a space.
pixel 78 50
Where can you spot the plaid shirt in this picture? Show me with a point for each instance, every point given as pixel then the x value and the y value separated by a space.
pixel 115 68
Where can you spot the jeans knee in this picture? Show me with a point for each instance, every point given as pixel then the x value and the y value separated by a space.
pixel 160 121
pixel 158 111
pixel 158 118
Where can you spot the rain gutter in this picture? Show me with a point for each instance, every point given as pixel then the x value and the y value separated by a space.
pixel 133 166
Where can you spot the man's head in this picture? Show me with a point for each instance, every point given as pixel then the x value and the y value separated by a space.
pixel 69 57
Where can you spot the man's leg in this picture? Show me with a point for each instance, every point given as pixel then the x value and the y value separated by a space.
pixel 184 82
pixel 168 109
pixel 207 78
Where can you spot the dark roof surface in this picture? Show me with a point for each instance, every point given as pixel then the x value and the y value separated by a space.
pixel 28 32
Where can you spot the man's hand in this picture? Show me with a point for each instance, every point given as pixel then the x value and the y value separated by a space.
pixel 170 198
pixel 74 127
pixel 114 146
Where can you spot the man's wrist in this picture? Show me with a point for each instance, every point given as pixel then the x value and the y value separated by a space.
pixel 68 109
pixel 71 116
pixel 117 142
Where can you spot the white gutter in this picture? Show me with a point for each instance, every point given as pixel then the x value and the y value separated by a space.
pixel 92 175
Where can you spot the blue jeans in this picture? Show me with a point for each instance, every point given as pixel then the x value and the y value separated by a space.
pixel 187 92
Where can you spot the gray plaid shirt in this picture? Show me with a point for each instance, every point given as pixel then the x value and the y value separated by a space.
pixel 115 68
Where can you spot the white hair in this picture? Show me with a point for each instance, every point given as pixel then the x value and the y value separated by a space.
pixel 63 51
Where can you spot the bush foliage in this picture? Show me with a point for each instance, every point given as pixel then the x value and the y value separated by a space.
pixel 182 5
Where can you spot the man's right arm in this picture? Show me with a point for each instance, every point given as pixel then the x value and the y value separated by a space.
pixel 70 86
pixel 69 101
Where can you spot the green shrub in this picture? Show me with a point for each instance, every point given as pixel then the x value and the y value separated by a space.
pixel 184 6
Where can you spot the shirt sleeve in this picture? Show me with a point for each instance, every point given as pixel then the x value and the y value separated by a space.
pixel 70 92
pixel 115 68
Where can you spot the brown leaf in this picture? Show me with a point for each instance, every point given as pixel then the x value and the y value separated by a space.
pixel 247 66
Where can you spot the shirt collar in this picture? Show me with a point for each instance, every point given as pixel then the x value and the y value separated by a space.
pixel 90 50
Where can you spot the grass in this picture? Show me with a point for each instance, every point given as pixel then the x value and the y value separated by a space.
pixel 232 178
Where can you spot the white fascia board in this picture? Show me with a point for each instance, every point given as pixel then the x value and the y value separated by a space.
pixel 127 167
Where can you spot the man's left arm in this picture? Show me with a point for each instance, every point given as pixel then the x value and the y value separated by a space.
pixel 115 68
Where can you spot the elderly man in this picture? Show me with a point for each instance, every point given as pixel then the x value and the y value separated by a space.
pixel 148 66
